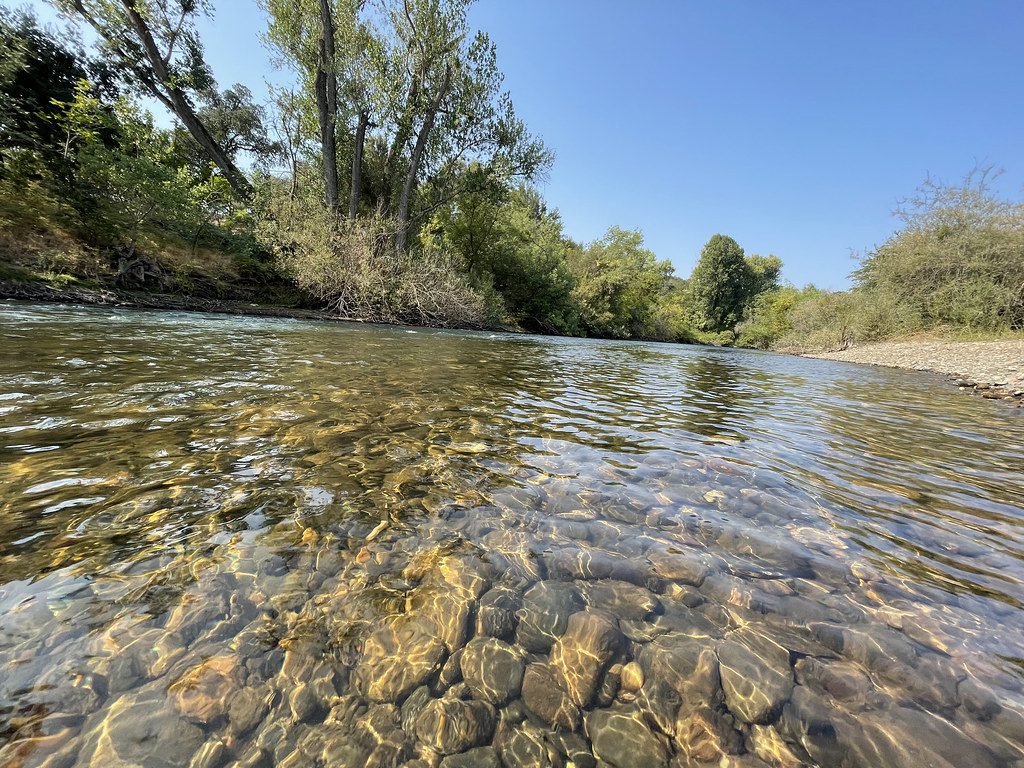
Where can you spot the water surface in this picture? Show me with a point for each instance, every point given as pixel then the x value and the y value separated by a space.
pixel 256 542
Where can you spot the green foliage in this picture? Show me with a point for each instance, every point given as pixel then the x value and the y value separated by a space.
pixel 720 284
pixel 513 250
pixel 767 318
pixel 958 261
pixel 672 318
pixel 763 274
pixel 956 265
pixel 618 283
pixel 36 70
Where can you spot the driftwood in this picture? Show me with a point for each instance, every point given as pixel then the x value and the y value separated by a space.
pixel 135 270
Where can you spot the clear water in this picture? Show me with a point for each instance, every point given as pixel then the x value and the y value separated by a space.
pixel 240 541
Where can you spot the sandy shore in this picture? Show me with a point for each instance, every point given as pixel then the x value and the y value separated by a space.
pixel 995 369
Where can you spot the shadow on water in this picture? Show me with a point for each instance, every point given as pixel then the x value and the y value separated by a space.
pixel 287 543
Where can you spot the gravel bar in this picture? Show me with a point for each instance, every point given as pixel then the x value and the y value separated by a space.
pixel 993 369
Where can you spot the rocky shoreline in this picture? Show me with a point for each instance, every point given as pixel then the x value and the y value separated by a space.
pixel 992 369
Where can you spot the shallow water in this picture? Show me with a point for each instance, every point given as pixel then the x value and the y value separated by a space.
pixel 260 542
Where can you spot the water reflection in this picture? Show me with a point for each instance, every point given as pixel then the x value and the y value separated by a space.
pixel 253 542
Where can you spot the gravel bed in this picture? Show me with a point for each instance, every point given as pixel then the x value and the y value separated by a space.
pixel 994 369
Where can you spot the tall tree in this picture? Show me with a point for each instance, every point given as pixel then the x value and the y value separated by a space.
pixel 720 284
pixel 326 90
pixel 304 34
pixel 363 76
pixel 155 43
pixel 453 111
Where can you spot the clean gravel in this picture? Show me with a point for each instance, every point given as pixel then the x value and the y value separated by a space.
pixel 993 368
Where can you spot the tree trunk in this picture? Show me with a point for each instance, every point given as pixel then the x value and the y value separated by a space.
pixel 402 236
pixel 357 166
pixel 326 87
pixel 177 102
pixel 403 132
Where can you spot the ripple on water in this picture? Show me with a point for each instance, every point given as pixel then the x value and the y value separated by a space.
pixel 287 543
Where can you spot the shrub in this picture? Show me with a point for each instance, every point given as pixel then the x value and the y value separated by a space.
pixel 355 271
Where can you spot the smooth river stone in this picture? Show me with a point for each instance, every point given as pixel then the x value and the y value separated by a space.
pixel 545 614
pixel 580 655
pixel 203 693
pixel 898 737
pixel 620 598
pixel 493 669
pixel 496 612
pixel 543 697
pixel 704 735
pixel 679 568
pixel 756 675
pixel 622 740
pixel 396 659
pixel 248 707
pixel 525 746
pixel 480 757
pixel 451 725
pixel 142 729
pixel 678 671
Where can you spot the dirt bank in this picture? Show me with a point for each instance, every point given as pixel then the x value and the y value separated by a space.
pixel 994 369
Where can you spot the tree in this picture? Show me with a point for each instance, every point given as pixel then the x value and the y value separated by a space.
pixel 39 69
pixel 154 42
pixel 958 259
pixel 237 123
pixel 618 284
pixel 720 283
pixel 511 245
pixel 304 34
pixel 454 111
pixel 763 274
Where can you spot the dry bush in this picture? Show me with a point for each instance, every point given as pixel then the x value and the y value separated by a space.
pixel 355 270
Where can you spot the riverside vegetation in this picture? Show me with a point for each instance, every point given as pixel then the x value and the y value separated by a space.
pixel 392 181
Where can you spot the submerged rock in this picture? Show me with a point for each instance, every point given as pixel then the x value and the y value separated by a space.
pixel 622 740
pixel 204 692
pixel 580 655
pixel 396 659
pixel 525 746
pixel 452 725
pixel 756 675
pixel 620 598
pixel 496 612
pixel 493 670
pixel 677 672
pixel 705 735
pixel 142 729
pixel 248 707
pixel 545 614
pixel 543 697
pixel 480 757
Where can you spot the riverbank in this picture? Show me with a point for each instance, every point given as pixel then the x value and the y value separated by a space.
pixel 993 369
pixel 110 297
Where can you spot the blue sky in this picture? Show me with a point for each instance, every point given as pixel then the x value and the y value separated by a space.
pixel 792 126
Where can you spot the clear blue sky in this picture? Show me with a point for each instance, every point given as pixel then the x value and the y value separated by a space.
pixel 791 126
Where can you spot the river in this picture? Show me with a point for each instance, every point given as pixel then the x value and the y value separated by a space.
pixel 263 542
